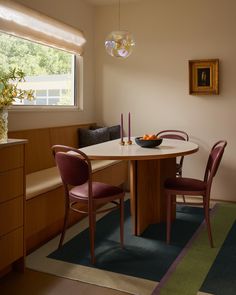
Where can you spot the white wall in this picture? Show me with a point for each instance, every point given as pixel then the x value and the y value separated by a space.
pixel 80 15
pixel 153 82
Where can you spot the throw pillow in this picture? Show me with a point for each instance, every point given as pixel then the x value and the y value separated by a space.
pixel 89 137
pixel 94 127
pixel 114 132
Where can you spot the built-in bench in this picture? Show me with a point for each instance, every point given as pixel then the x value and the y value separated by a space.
pixel 42 181
pixel 44 210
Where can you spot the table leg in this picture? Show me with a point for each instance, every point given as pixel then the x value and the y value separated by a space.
pixel 133 194
pixel 148 203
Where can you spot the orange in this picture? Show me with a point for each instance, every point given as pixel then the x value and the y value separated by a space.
pixel 145 137
pixel 152 136
pixel 149 137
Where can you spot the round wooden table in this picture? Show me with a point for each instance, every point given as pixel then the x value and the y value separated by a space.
pixel 149 167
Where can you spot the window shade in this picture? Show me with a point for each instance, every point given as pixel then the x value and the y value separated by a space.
pixel 21 21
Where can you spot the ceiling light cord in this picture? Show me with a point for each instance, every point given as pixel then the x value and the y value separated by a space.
pixel 119 15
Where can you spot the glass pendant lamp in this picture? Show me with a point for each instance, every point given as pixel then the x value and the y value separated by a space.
pixel 119 43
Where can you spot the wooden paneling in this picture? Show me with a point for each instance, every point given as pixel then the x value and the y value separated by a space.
pixel 38 149
pixel 115 175
pixel 12 200
pixel 44 217
pixel 40 141
pixel 11 247
pixel 11 184
pixel 11 215
pixel 11 157
pixel 44 210
pixel 67 135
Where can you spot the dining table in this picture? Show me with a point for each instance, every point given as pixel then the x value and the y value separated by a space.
pixel 148 169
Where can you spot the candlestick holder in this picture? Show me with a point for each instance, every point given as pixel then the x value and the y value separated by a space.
pixel 129 142
pixel 122 142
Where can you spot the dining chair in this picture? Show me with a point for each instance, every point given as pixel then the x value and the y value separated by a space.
pixel 195 187
pixel 175 134
pixel 180 135
pixel 76 174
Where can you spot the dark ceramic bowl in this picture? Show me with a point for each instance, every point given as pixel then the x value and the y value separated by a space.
pixel 148 143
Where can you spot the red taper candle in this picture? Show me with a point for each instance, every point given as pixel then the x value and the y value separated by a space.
pixel 121 128
pixel 129 128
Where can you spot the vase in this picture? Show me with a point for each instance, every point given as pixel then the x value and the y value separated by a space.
pixel 3 125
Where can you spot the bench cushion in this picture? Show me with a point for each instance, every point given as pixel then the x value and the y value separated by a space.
pixel 42 181
pixel 45 180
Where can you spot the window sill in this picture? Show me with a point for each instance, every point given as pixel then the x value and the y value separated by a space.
pixel 44 108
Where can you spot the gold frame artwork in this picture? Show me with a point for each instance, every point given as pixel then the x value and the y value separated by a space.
pixel 204 76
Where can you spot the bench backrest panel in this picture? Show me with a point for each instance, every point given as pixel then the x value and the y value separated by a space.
pixel 40 141
pixel 65 135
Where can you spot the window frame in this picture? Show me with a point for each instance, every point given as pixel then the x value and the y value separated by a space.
pixel 23 22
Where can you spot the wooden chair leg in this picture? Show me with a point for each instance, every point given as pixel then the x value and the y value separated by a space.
pixel 168 218
pixel 92 217
pixel 183 196
pixel 66 217
pixel 208 224
pixel 122 222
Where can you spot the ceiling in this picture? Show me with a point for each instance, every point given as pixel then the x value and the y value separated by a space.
pixel 106 2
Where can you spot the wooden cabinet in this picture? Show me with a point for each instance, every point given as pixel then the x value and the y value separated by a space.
pixel 12 204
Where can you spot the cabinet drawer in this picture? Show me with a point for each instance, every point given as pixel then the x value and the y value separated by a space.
pixel 11 215
pixel 11 157
pixel 11 247
pixel 11 184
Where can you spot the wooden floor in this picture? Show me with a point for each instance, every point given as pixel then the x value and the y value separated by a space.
pixel 38 283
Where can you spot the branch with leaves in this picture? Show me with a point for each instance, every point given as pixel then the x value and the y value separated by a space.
pixel 9 90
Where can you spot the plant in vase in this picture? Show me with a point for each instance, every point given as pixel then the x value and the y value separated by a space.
pixel 9 92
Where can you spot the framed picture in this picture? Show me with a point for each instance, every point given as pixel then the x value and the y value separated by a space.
pixel 204 76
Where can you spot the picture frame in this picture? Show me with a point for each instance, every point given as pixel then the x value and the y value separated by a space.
pixel 204 76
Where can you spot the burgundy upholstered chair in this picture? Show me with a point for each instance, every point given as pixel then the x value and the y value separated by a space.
pixel 76 174
pixel 195 187
pixel 175 134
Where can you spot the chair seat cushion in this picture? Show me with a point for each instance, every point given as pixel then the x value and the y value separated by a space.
pixel 100 190
pixel 184 184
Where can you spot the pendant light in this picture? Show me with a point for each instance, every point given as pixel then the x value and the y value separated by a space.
pixel 119 43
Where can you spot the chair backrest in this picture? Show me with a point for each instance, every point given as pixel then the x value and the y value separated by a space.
pixel 214 160
pixel 74 166
pixel 174 134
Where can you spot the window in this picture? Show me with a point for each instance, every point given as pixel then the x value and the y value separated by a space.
pixel 49 72
pixel 47 50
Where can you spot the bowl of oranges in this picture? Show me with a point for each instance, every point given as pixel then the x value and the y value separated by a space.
pixel 148 141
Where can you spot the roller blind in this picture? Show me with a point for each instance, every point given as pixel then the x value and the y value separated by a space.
pixel 21 21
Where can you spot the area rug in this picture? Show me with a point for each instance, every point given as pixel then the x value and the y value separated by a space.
pixel 199 267
pixel 145 261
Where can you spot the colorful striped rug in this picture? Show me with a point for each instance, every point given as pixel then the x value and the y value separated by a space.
pixel 201 268
pixel 147 265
